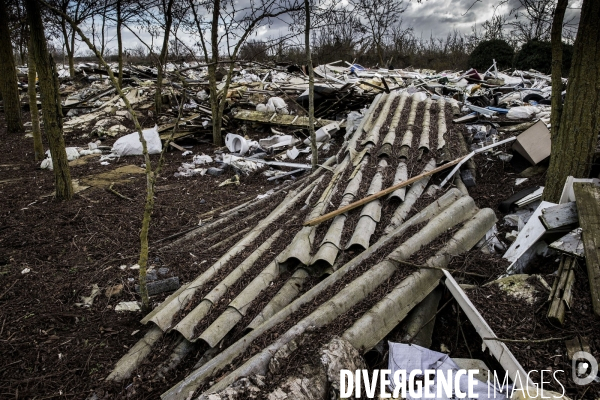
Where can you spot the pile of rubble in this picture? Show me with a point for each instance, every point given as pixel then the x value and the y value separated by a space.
pixel 361 250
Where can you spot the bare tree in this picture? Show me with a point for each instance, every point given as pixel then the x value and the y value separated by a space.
pixel 51 107
pixel 8 75
pixel 38 147
pixel 532 19
pixel 223 23
pixel 311 88
pixel 575 140
pixel 78 11
pixel 378 17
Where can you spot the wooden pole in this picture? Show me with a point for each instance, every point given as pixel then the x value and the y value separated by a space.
pixel 382 193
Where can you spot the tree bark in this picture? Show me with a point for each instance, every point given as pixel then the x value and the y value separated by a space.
pixel 575 142
pixel 162 59
pixel 51 107
pixel 311 89
pixel 556 38
pixel 212 75
pixel 119 44
pixel 38 147
pixel 8 76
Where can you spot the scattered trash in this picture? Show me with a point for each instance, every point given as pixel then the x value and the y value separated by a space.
pixel 132 306
pixel 89 300
pixel 130 145
pixel 161 286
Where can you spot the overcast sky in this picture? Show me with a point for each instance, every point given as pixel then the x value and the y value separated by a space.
pixel 428 18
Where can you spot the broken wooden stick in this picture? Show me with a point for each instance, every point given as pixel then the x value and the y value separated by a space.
pixel 457 271
pixel 113 191
pixel 379 194
pixel 562 290
pixel 528 340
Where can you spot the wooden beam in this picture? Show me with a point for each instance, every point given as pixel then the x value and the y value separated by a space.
pixel 562 216
pixel 176 146
pixel 278 119
pixel 382 193
pixel 562 290
pixel 587 197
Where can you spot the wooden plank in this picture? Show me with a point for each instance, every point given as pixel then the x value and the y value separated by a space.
pixel 587 197
pixel 577 344
pixel 182 120
pixel 177 135
pixel 560 216
pixel 570 244
pixel 382 193
pixel 562 290
pixel 277 119
pixel 176 146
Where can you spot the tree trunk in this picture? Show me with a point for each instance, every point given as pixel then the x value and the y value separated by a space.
pixel 575 142
pixel 8 76
pixel 557 50
pixel 51 107
pixel 163 57
pixel 38 147
pixel 71 55
pixel 214 104
pixel 311 89
pixel 212 75
pixel 119 44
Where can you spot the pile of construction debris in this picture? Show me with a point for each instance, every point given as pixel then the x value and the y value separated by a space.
pixel 345 255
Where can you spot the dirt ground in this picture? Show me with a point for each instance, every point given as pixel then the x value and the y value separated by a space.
pixel 49 346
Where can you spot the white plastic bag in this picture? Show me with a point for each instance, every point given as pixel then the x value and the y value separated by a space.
pixel 130 145
pixel 523 112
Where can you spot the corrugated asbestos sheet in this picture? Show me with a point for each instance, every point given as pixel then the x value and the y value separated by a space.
pixel 279 268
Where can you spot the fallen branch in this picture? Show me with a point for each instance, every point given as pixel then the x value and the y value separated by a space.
pixel 113 191
pixel 443 269
pixel 528 340
pixel 6 291
pixel 379 194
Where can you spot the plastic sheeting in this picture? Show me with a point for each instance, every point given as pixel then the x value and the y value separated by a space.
pixel 412 357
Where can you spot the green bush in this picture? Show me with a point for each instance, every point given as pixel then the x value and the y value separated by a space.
pixel 537 54
pixel 483 55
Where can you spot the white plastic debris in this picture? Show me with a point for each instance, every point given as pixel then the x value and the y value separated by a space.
pixel 89 300
pixel 276 141
pixel 202 159
pixel 130 145
pixel 421 96
pixel 324 133
pixel 522 112
pixel 186 153
pixel 267 194
pixel 292 153
pixel 47 164
pixel 353 120
pixel 72 153
pixel 128 306
pixel 26 271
